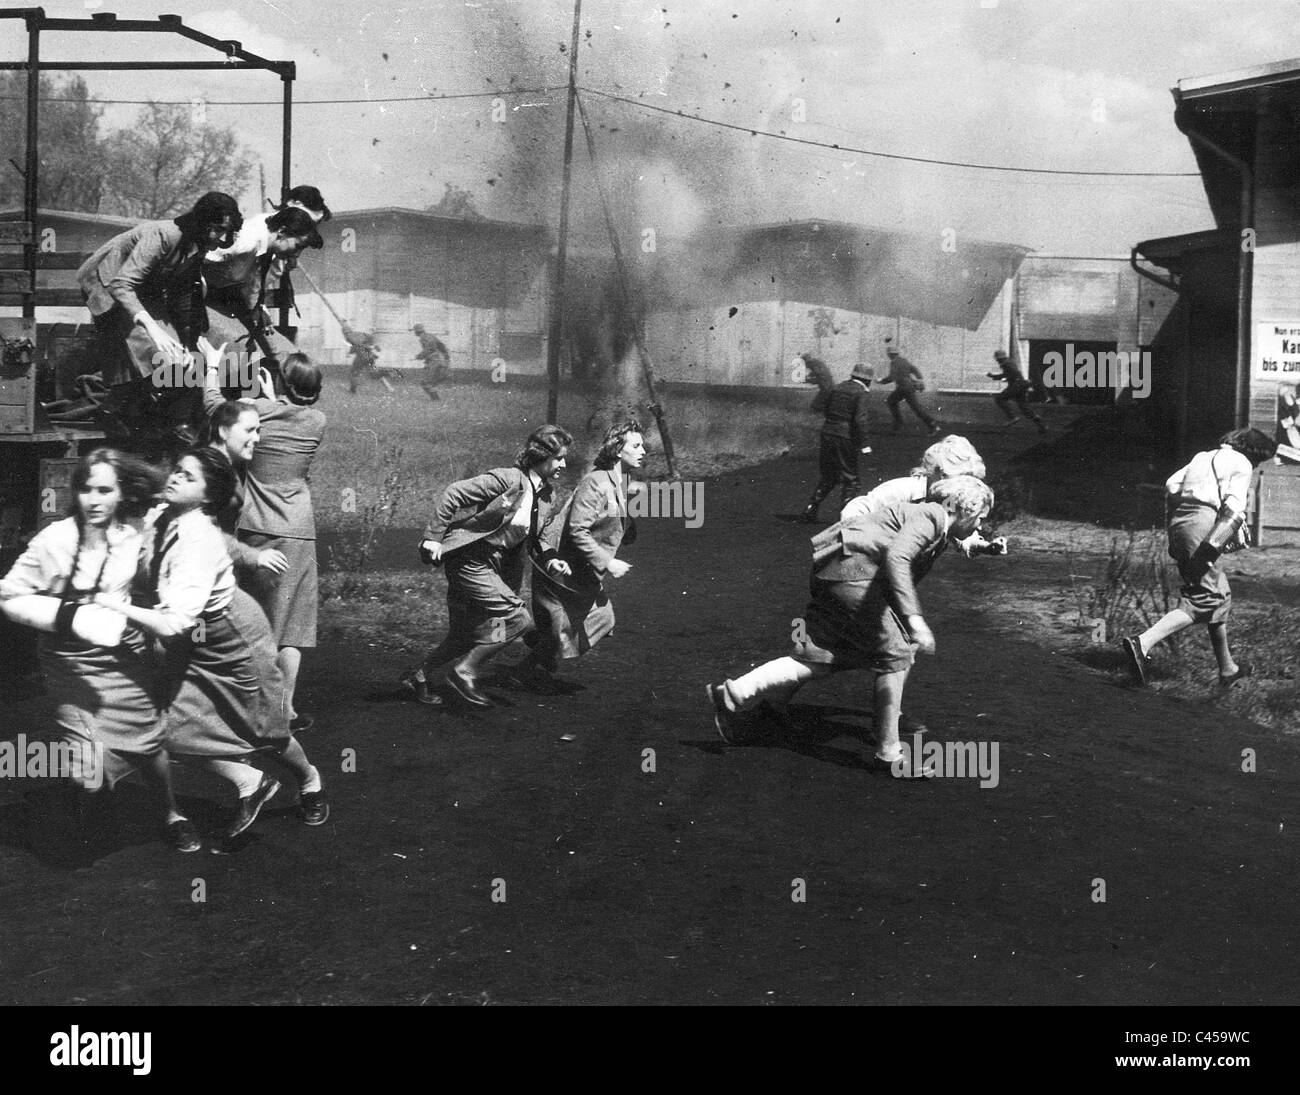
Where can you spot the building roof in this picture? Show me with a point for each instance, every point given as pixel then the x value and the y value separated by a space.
pixel 1242 79
pixel 70 215
pixel 439 218
pixel 1224 110
pixel 949 281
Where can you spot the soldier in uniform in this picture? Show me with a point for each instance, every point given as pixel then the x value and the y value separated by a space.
pixel 437 361
pixel 844 438
pixel 909 383
pixel 365 357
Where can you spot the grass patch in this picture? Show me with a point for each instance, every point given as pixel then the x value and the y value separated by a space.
pixel 381 446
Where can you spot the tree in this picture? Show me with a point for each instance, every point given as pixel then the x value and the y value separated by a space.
pixel 71 162
pixel 158 168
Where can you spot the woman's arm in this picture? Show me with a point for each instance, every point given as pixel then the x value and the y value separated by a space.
pixel 587 508
pixel 462 495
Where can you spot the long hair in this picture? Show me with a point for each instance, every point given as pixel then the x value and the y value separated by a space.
pixel 210 210
pixel 301 378
pixel 1255 445
pixel 296 222
pixel 615 439
pixel 309 198
pixel 220 481
pixel 543 443
pixel 139 482
pixel 223 417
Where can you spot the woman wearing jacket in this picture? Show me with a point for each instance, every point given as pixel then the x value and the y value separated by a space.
pixel 277 514
pixel 482 532
pixel 575 613
pixel 864 611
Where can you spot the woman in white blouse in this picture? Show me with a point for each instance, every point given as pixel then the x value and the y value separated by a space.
pixel 214 707
pixel 96 671
pixel 1206 503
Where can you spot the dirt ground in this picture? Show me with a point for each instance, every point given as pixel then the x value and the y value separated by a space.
pixel 623 885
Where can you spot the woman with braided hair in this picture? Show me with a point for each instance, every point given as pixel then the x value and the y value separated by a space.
pixel 96 670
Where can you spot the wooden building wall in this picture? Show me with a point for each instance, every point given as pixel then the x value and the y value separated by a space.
pixel 479 287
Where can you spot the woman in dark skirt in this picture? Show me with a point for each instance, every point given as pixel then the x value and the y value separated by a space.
pixel 210 690
pixel 97 673
pixel 482 532
pixel 1206 504
pixel 573 614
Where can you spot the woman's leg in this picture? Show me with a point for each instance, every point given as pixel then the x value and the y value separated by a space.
pixel 1219 641
pixel 289 659
pixel 1171 623
pixel 245 777
pixel 777 681
pixel 887 702
pixel 295 758
pixel 156 771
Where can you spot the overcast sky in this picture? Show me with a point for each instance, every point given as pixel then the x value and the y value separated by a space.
pixel 1044 84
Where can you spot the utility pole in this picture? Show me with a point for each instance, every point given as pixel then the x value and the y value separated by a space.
pixel 556 327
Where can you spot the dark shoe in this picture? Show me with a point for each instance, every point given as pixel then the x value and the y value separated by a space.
pixel 183 836
pixel 313 807
pixel 726 721
pixel 251 806
pixel 935 427
pixel 809 515
pixel 415 682
pixel 1137 661
pixel 299 723
pixel 465 690
pixel 1244 670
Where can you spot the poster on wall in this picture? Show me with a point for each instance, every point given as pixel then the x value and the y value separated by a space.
pixel 1288 423
pixel 1276 359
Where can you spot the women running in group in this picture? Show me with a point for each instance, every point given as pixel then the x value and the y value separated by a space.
pixel 73 574
pixel 574 613
pixel 864 612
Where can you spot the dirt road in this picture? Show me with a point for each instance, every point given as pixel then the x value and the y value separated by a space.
pixel 677 884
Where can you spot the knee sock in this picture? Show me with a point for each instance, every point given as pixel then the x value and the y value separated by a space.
pixel 782 674
pixel 245 777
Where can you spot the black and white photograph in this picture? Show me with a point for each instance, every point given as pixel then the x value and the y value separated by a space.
pixel 606 502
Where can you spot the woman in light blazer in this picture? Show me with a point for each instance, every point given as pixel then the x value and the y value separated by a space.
pixel 573 614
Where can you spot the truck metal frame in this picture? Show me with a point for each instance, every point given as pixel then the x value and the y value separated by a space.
pixel 36 457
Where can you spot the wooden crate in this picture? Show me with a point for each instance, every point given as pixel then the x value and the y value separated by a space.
pixel 17 381
pixel 1275 516
pixel 54 494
